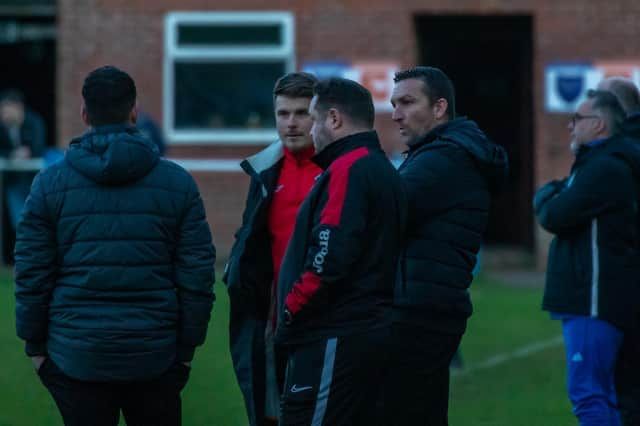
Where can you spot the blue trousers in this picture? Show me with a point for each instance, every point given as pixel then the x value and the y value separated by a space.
pixel 592 347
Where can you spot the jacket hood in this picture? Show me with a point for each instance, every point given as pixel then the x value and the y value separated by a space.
pixel 628 149
pixel 631 125
pixel 491 159
pixel 113 155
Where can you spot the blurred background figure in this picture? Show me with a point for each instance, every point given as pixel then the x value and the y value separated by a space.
pixel 627 375
pixel 22 136
pixel 148 126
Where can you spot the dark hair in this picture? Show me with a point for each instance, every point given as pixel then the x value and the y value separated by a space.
pixel 608 104
pixel 627 94
pixel 295 85
pixel 109 96
pixel 347 96
pixel 436 85
pixel 12 95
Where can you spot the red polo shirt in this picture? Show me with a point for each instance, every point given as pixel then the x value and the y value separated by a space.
pixel 297 176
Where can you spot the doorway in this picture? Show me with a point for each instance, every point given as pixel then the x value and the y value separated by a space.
pixel 490 59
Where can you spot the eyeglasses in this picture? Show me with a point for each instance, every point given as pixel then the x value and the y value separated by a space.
pixel 577 117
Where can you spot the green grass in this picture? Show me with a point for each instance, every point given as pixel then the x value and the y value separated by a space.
pixel 524 391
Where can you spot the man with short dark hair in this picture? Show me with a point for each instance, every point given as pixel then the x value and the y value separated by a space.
pixel 594 258
pixel 627 375
pixel 336 281
pixel 114 269
pixel 450 171
pixel 281 176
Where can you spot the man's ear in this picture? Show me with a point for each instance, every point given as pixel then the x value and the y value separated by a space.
pixel 599 126
pixel 440 108
pixel 133 115
pixel 85 115
pixel 334 118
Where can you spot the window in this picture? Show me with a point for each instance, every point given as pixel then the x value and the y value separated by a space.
pixel 219 72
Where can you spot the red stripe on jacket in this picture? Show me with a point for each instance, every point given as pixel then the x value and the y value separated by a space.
pixel 302 292
pixel 339 170
pixel 338 179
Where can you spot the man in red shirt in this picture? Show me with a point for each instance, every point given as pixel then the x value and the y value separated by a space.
pixel 281 176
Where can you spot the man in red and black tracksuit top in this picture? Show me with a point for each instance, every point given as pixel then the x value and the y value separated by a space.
pixel 336 280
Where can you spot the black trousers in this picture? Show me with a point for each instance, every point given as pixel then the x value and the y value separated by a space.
pixel 335 381
pixel 627 379
pixel 150 403
pixel 416 390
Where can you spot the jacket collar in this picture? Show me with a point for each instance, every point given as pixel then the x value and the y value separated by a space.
pixel 585 149
pixel 434 133
pixel 264 159
pixel 304 157
pixel 340 147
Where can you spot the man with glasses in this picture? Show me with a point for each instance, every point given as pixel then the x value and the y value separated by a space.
pixel 593 259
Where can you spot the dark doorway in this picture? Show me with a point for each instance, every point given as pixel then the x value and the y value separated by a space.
pixel 489 60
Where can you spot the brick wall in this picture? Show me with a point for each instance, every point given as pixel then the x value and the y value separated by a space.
pixel 129 34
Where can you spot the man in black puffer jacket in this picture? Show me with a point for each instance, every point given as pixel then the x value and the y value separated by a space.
pixel 114 269
pixel 449 173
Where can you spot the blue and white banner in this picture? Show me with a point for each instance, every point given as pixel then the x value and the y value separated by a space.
pixel 566 85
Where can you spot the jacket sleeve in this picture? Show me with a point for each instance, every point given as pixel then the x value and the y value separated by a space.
pixel 231 277
pixel 35 270
pixel 194 265
pixel 546 192
pixel 600 186
pixel 337 239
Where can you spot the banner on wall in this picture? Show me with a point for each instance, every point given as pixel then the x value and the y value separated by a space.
pixel 377 76
pixel 566 84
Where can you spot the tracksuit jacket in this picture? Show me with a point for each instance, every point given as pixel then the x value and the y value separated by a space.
pixel 336 278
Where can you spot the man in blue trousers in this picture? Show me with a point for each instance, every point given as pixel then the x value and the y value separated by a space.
pixel 594 259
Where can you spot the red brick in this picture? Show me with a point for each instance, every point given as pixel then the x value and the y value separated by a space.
pixel 130 34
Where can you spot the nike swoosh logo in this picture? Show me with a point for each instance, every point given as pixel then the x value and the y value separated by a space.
pixel 296 389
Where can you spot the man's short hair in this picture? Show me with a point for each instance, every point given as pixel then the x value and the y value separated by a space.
pixel 109 96
pixel 607 103
pixel 12 95
pixel 295 85
pixel 627 94
pixel 348 97
pixel 436 85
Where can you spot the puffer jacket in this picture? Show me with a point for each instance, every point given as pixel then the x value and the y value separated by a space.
pixel 114 261
pixel 449 175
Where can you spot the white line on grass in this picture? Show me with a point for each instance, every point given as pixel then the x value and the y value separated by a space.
pixel 521 352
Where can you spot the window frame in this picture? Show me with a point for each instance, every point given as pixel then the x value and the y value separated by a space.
pixel 212 54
